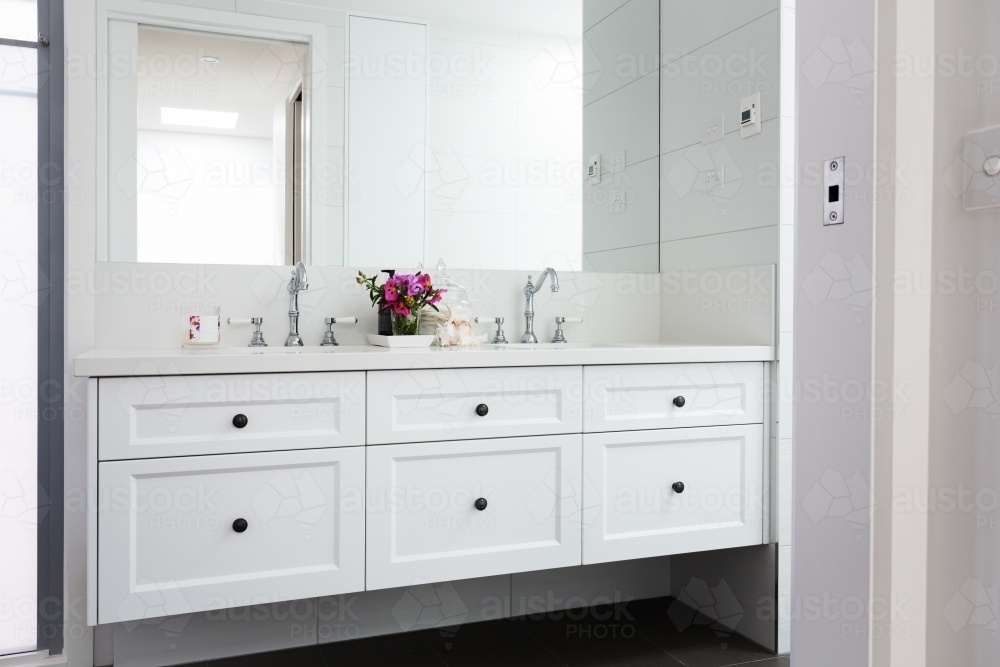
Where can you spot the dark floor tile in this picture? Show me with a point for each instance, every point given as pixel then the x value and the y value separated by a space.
pixel 780 661
pixel 692 638
pixel 596 637
pixel 407 649
pixel 307 656
pixel 492 643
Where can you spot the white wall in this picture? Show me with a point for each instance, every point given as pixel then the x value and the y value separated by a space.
pixel 207 198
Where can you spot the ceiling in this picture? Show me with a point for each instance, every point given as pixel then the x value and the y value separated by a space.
pixel 251 77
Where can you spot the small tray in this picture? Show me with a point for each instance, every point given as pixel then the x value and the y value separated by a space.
pixel 400 341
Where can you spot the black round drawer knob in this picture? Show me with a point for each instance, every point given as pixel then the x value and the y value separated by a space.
pixel 678 487
pixel 482 410
pixel 481 504
pixel 240 525
pixel 679 401
pixel 239 421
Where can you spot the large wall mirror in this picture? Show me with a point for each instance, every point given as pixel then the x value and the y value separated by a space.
pixel 631 135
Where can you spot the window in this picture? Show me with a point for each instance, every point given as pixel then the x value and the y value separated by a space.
pixel 19 334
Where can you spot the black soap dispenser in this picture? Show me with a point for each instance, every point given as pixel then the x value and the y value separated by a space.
pixel 385 316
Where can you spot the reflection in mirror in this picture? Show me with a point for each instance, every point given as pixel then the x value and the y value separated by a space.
pixel 218 125
pixel 490 177
pixel 497 134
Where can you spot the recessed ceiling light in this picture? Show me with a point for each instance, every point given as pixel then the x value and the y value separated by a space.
pixel 198 118
pixel 210 59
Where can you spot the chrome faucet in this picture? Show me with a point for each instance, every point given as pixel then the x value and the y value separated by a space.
pixel 299 282
pixel 529 305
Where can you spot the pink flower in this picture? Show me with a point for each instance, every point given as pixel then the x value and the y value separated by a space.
pixel 401 309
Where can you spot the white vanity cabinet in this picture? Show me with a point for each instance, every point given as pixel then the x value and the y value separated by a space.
pixel 224 490
pixel 654 493
pixel 426 405
pixel 188 534
pixel 456 510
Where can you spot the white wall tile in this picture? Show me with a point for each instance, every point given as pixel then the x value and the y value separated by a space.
pixel 788 68
pixel 221 5
pixel 549 77
pixel 472 70
pixel 740 248
pixel 589 585
pixel 784 597
pixel 619 306
pixel 784 483
pixel 473 127
pixel 598 10
pixel 544 132
pixel 175 640
pixel 714 80
pixel 786 277
pixel 458 236
pixel 549 187
pixel 474 34
pixel 688 25
pixel 336 52
pixel 335 116
pixel 393 610
pixel 472 183
pixel 538 235
pixel 748 199
pixel 294 11
pixel 729 306
pixel 627 119
pixel 637 225
pixel 640 258
pixel 621 49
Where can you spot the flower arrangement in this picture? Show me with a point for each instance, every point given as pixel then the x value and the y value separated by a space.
pixel 404 296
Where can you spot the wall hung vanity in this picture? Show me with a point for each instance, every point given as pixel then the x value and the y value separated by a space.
pixel 221 482
pixel 504 136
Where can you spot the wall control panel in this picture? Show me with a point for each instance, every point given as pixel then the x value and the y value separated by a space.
pixel 750 116
pixel 594 169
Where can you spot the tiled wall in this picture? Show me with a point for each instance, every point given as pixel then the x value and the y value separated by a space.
pixel 503 148
pixel 620 113
pixel 712 56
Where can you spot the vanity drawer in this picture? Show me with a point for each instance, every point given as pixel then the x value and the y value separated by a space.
pixel 423 524
pixel 156 416
pixel 168 544
pixel 429 405
pixel 624 398
pixel 632 510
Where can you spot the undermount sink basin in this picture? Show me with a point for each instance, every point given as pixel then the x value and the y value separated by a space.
pixel 548 346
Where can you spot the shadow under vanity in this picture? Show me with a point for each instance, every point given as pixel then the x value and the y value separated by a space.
pixel 505 137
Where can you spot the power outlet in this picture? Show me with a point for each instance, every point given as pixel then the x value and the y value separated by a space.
pixel 617 202
pixel 618 162
pixel 712 179
pixel 713 129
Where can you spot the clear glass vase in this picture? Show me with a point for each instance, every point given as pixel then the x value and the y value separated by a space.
pixel 405 325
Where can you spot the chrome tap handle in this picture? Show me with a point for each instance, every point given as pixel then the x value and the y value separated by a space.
pixel 328 337
pixel 257 339
pixel 498 337
pixel 559 337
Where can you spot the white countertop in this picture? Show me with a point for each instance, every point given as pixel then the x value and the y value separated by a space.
pixel 128 362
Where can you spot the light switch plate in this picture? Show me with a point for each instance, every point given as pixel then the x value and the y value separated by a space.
pixel 618 162
pixel 594 169
pixel 833 191
pixel 617 201
pixel 750 116
pixel 968 174
pixel 713 129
